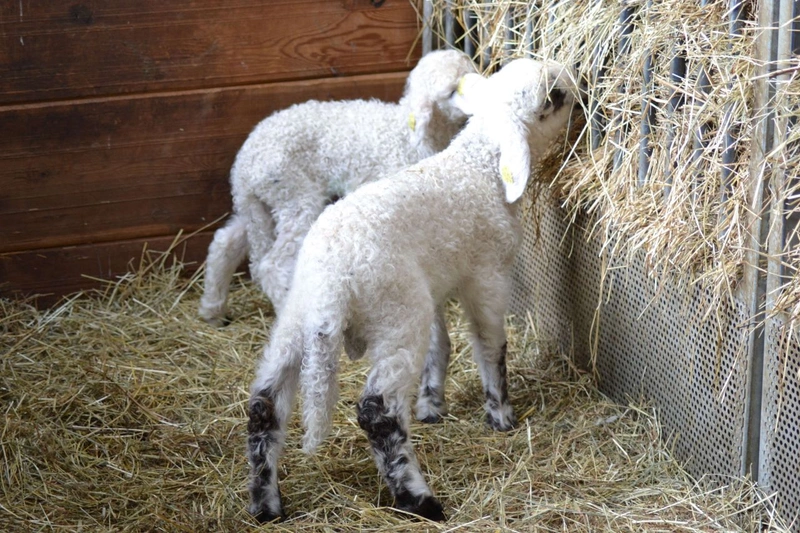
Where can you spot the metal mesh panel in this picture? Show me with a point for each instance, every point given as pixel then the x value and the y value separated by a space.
pixel 542 273
pixel 780 421
pixel 652 339
pixel 651 342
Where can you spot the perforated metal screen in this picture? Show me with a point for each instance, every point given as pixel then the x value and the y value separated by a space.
pixel 731 402
pixel 652 341
pixel 780 420
pixel 542 275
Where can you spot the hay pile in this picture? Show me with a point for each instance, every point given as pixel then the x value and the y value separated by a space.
pixel 688 209
pixel 784 164
pixel 122 412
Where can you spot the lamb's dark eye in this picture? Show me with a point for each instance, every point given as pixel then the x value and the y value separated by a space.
pixel 556 99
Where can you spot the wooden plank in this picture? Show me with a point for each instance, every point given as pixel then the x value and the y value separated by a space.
pixel 55 272
pixel 103 170
pixel 63 49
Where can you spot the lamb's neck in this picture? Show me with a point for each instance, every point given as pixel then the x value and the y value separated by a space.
pixel 475 149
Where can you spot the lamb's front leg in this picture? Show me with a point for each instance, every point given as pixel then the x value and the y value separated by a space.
pixel 492 367
pixel 485 303
pixel 431 404
pixel 383 415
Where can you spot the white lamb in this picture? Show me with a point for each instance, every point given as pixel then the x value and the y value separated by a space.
pixel 297 161
pixel 376 265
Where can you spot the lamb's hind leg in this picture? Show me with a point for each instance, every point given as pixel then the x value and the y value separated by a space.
pixel 381 416
pixel 272 395
pixel 225 253
pixel 485 303
pixel 384 412
pixel 276 267
pixel 431 405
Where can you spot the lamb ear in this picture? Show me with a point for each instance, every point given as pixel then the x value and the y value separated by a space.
pixel 515 158
pixel 468 97
pixel 418 120
pixel 474 96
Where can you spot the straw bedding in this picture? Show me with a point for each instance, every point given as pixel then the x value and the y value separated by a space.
pixel 689 222
pixel 123 412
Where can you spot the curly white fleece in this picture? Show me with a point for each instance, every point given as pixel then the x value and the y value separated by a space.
pixel 374 268
pixel 297 161
pixel 375 265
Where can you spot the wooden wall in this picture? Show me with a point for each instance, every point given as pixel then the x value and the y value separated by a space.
pixel 119 120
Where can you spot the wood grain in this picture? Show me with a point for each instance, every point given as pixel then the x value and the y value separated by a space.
pixel 120 120
pixel 63 49
pixel 100 170
pixel 55 272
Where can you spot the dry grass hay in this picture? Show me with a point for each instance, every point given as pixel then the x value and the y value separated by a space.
pixel 124 412
pixel 688 211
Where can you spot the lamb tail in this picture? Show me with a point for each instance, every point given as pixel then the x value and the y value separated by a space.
pixel 319 380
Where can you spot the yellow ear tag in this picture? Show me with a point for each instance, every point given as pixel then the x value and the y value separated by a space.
pixel 460 88
pixel 412 121
pixel 505 173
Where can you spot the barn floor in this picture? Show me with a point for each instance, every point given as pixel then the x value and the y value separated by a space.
pixel 124 412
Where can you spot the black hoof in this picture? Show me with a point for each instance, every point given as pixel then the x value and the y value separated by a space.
pixel 426 506
pixel 431 419
pixel 265 516
pixel 431 509
pixel 217 322
pixel 499 425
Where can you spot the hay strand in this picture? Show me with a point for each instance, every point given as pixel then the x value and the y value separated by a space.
pixel 662 188
pixel 123 412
